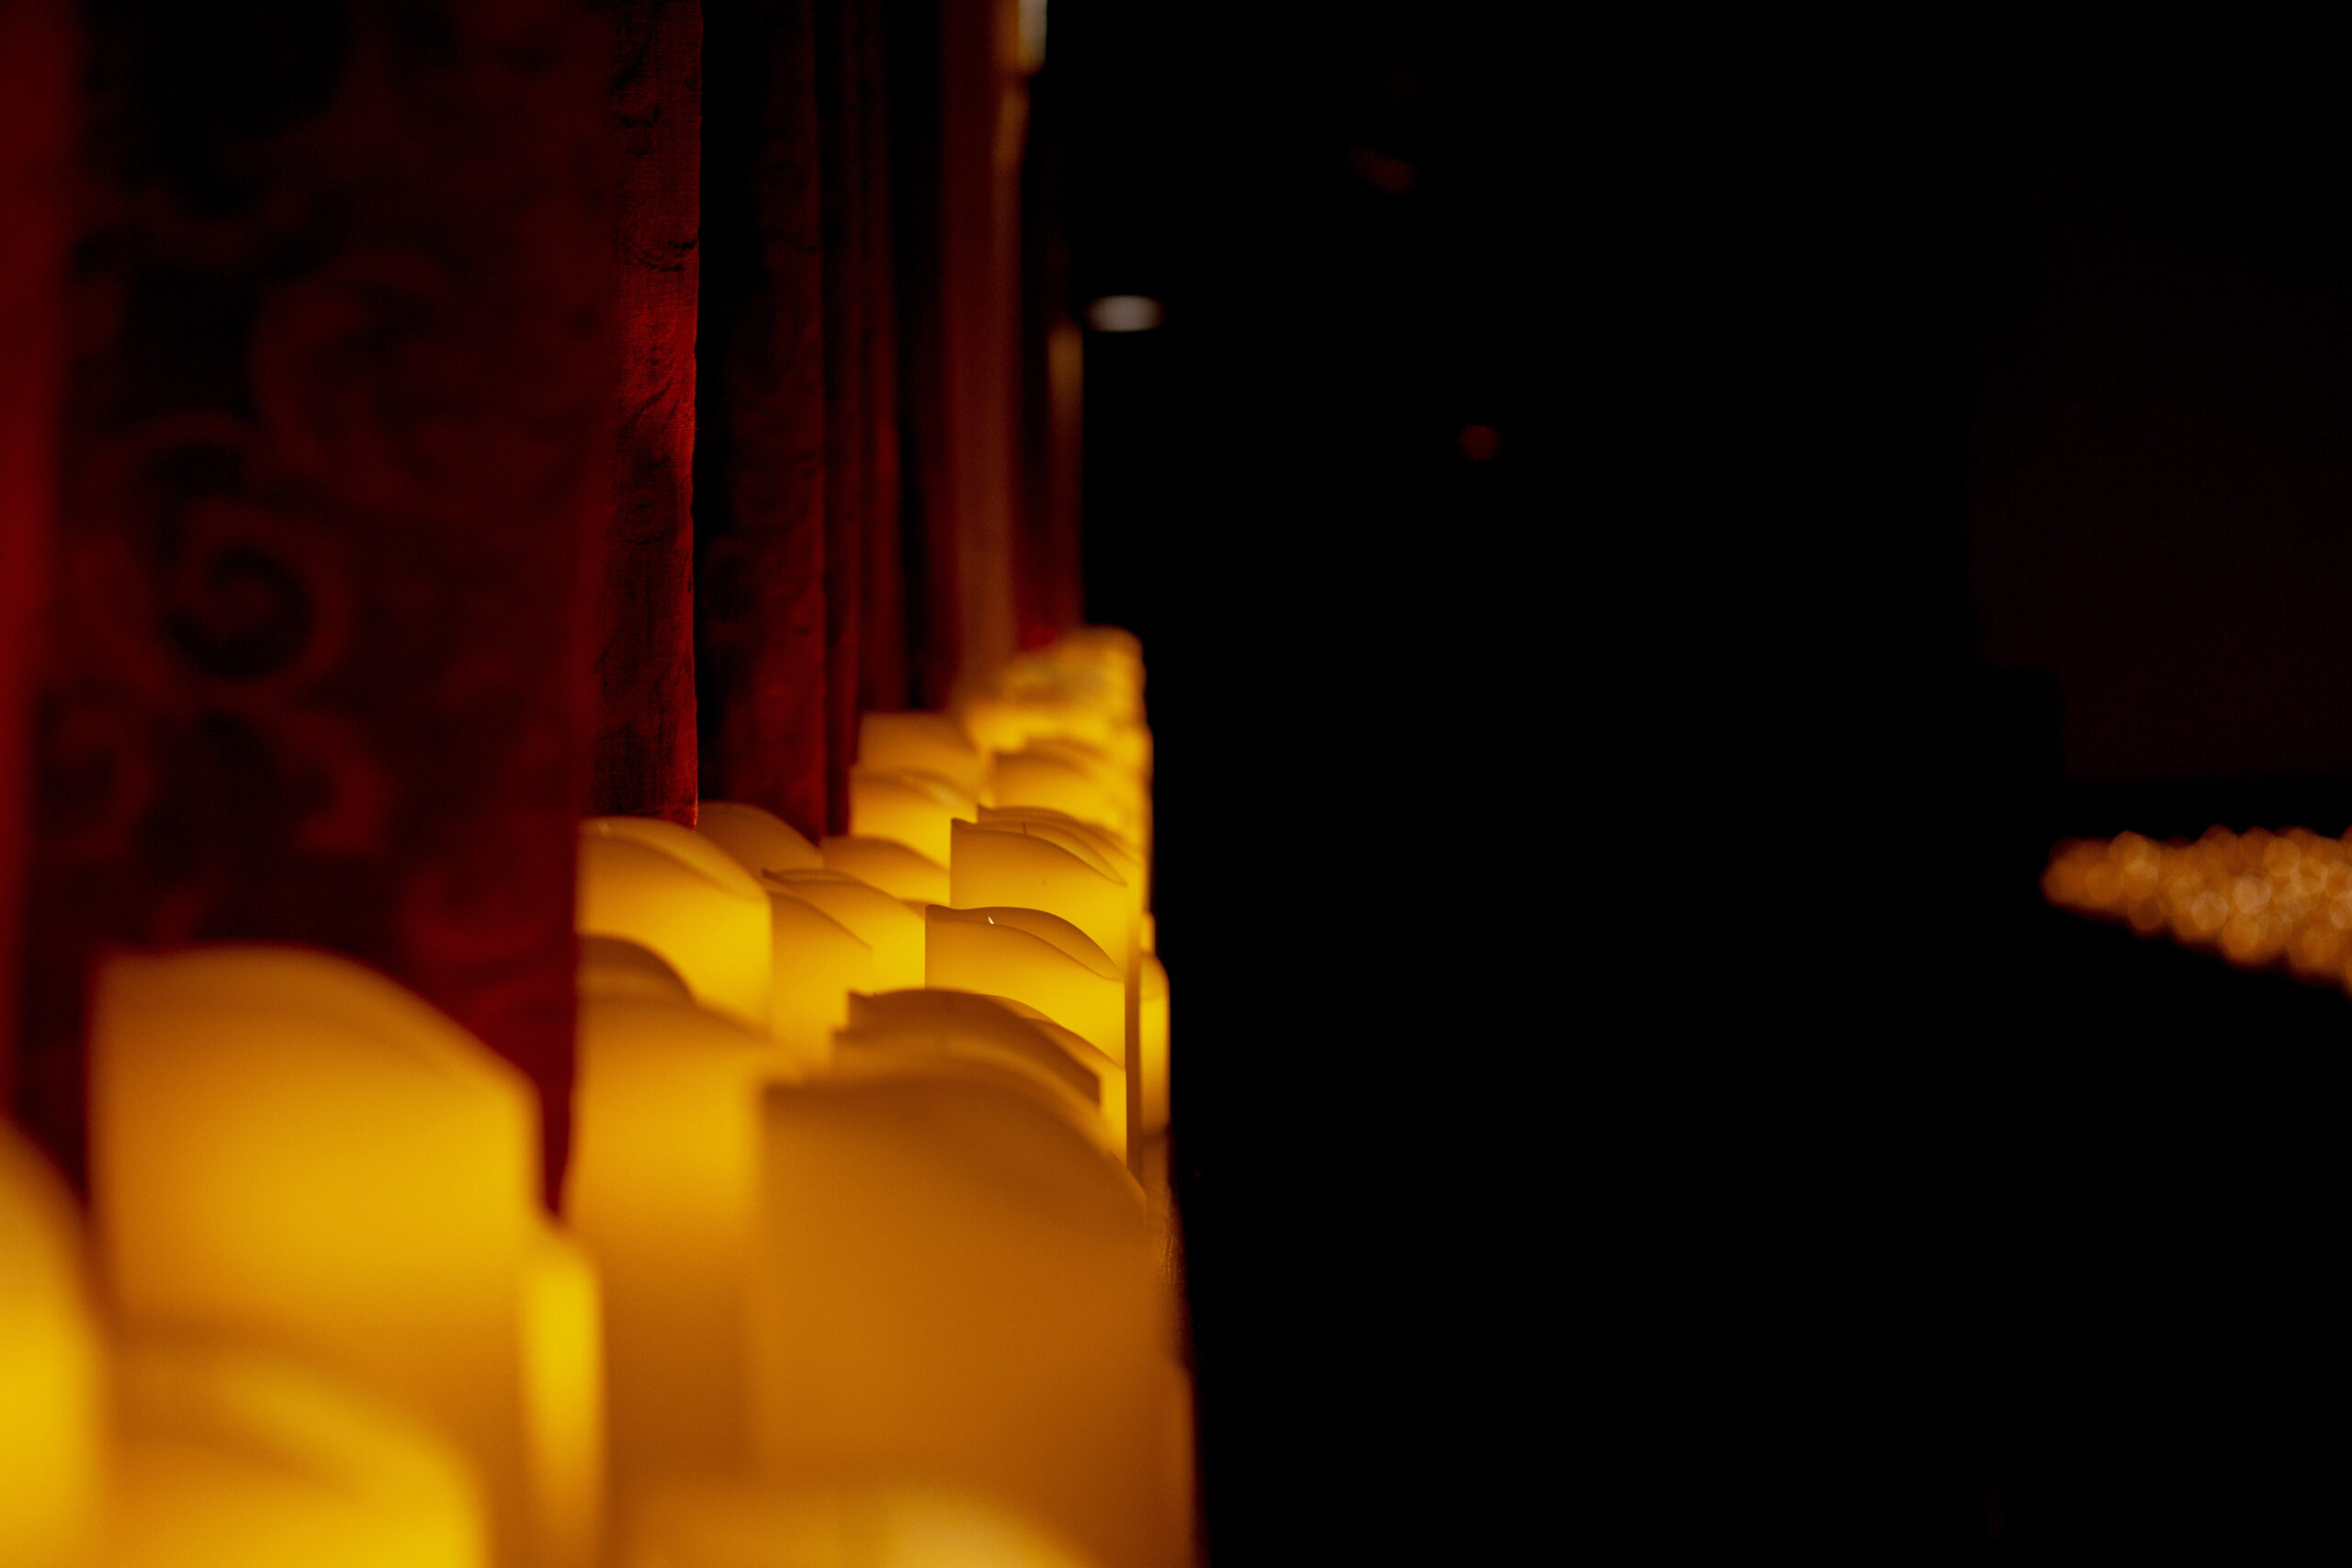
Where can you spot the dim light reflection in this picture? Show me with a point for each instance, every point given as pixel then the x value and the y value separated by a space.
pixel 2258 899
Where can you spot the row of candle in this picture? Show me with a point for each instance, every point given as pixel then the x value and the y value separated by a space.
pixel 862 1251
pixel 2258 897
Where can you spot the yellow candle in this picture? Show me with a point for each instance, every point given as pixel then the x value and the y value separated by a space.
pixel 913 808
pixel 955 1283
pixel 965 1025
pixel 713 1523
pixel 678 892
pixel 1064 781
pixel 758 841
pixel 664 1172
pixel 896 869
pixel 884 923
pixel 231 1457
pixel 1113 850
pixel 288 1149
pixel 1153 1043
pixel 1032 957
pixel 51 1369
pixel 818 961
pixel 920 743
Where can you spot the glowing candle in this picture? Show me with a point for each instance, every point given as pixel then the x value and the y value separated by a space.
pixel 819 960
pixel 675 891
pixel 999 1030
pixel 913 808
pixel 735 1524
pixel 896 869
pixel 955 1283
pixel 288 1149
pixel 1063 781
pixel 922 743
pixel 1032 957
pixel 758 841
pixel 235 1458
pixel 664 1172
pixel 884 923
pixel 52 1376
pixel 1152 1041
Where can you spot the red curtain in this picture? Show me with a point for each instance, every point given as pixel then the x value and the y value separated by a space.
pixel 643 761
pixel 37 70
pixel 332 459
pixel 760 603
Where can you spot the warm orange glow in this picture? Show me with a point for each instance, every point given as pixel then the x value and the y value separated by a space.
pixel 916 809
pixel 922 743
pixel 955 1283
pixel 236 1458
pixel 664 1172
pixel 51 1369
pixel 677 892
pixel 1032 957
pixel 758 841
pixel 1065 778
pixel 896 869
pixel 2258 899
pixel 734 1524
pixel 290 1151
pixel 884 923
pixel 1152 1046
pixel 819 960
pixel 1001 1032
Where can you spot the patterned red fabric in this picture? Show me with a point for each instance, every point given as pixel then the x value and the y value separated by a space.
pixel 644 756
pixel 316 664
pixel 37 68
pixel 760 482
pixel 841 109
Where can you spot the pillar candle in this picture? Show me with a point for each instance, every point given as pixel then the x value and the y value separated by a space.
pixel 731 1523
pixel 51 1369
pixel 233 1457
pixel 954 1284
pixel 914 809
pixel 1032 957
pixel 1045 865
pixel 290 1150
pixel 660 1194
pixel 1152 1039
pixel 922 743
pixel 819 960
pixel 677 892
pixel 1122 856
pixel 996 1028
pixel 1057 779
pixel 759 840
pixel 884 923
pixel 896 869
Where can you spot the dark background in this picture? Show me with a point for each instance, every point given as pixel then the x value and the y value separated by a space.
pixel 1630 1083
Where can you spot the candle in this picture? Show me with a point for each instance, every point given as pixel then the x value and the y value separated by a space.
pixel 893 867
pixel 885 1524
pixel 818 962
pixel 758 841
pixel 913 808
pixel 51 1368
pixel 884 923
pixel 661 1193
pixel 922 743
pixel 1152 1044
pixel 1063 780
pixel 290 1151
pixel 956 1284
pixel 678 892
pixel 231 1457
pixel 1032 957
pixel 999 1030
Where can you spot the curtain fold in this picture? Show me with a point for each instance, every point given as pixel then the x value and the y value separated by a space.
pixel 332 464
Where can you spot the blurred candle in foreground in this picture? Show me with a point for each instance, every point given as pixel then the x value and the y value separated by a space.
pixel 235 1458
pixel 997 1030
pixel 675 891
pixel 53 1386
pixel 954 1282
pixel 713 1523
pixel 288 1150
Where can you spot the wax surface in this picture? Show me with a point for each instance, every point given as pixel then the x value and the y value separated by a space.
pixel 51 1369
